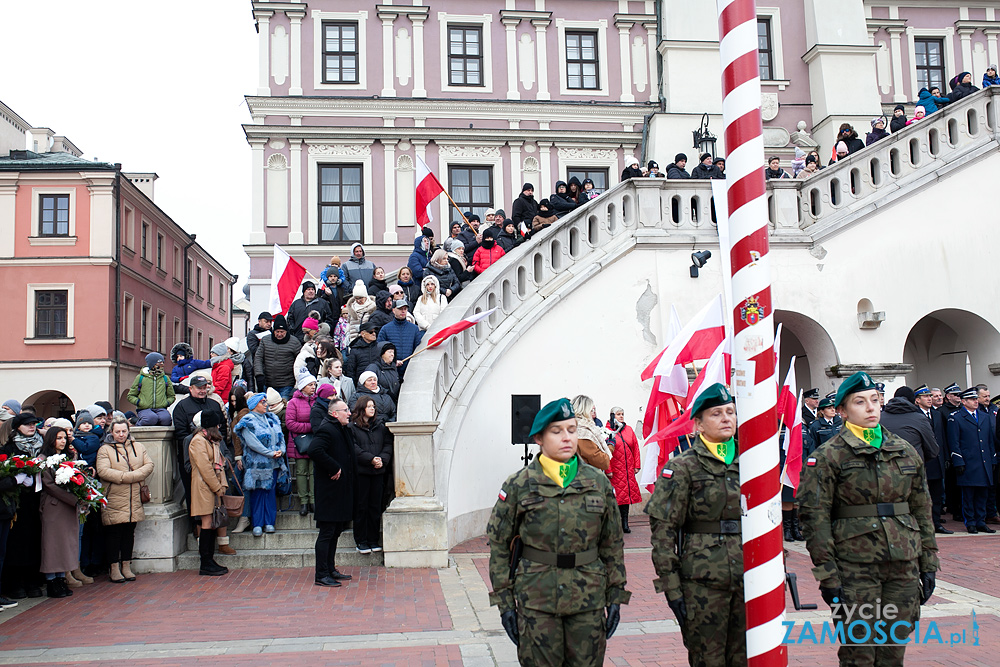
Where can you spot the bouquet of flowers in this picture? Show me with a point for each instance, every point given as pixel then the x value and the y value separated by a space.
pixel 22 468
pixel 75 477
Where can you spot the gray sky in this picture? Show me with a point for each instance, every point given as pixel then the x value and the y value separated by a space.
pixel 156 86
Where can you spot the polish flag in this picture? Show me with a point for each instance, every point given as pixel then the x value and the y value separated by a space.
pixel 793 448
pixel 428 187
pixel 461 325
pixel 655 418
pixel 716 370
pixel 787 402
pixel 286 277
pixel 697 340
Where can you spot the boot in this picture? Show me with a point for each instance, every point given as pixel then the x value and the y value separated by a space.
pixel 127 570
pixel 224 547
pixel 61 583
pixel 72 582
pixel 623 510
pixel 786 522
pixel 116 574
pixel 796 527
pixel 80 576
pixel 206 547
pixel 242 524
pixel 54 590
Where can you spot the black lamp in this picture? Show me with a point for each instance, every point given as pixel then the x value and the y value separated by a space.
pixel 704 140
pixel 698 260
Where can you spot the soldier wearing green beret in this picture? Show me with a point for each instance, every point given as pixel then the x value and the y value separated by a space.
pixel 866 514
pixel 556 560
pixel 694 515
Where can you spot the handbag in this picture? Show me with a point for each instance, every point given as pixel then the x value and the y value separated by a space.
pixel 234 504
pixel 219 516
pixel 144 493
pixel 303 442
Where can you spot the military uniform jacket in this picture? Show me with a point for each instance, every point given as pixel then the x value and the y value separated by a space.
pixel 570 520
pixel 847 471
pixel 695 486
pixel 936 466
pixel 972 446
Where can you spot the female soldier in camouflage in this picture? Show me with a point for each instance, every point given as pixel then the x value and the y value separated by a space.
pixel 866 514
pixel 556 558
pixel 694 515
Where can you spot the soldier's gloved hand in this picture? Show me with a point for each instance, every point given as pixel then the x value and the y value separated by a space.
pixel 959 470
pixel 614 616
pixel 831 596
pixel 509 621
pixel 679 608
pixel 927 582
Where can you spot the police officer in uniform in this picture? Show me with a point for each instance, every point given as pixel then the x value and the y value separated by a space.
pixel 556 553
pixel 810 401
pixel 866 515
pixel 970 439
pixel 953 495
pixel 694 516
pixel 923 397
pixel 824 427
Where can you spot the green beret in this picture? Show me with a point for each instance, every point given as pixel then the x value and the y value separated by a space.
pixel 826 403
pixel 556 411
pixel 715 395
pixel 857 383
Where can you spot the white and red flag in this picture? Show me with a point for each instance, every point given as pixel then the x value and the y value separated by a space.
pixel 286 277
pixel 717 369
pixel 697 340
pixel 428 187
pixel 457 327
pixel 790 414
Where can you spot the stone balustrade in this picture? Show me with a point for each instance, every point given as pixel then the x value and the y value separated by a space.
pixel 162 536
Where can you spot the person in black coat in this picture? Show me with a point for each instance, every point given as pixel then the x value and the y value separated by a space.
pixel 561 201
pixel 961 86
pixel 369 386
pixel 362 352
pixel 301 307
pixel 971 435
pixel 902 417
pixel 384 369
pixel 21 575
pixel 335 484
pixel 705 169
pixel 850 137
pixel 508 238
pixel 373 449
pixel 935 467
pixel 383 309
pixel 898 121
pixel 525 207
pixel 632 169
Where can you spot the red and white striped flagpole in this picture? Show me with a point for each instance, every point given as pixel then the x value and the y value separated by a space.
pixel 756 388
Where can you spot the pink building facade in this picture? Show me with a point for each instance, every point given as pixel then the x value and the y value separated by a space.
pixel 94 277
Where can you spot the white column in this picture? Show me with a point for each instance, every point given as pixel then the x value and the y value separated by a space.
pixel 257 186
pixel 625 54
pixel 991 45
pixel 652 44
pixel 895 45
pixel 418 57
pixel 966 35
pixel 512 91
pixel 295 236
pixel 543 67
pixel 387 60
pixel 515 175
pixel 263 56
pixel 295 86
pixel 8 190
pixel 389 183
pixel 544 167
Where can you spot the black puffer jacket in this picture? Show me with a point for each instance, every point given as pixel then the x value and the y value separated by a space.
pixel 332 452
pixel 907 421
pixel 388 376
pixel 561 203
pixel 384 405
pixel 382 316
pixel 446 277
pixel 359 356
pixel 275 361
pixel 370 442
pixel 524 209
pixel 705 172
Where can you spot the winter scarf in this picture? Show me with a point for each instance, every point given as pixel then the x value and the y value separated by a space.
pixel 586 429
pixel 29 444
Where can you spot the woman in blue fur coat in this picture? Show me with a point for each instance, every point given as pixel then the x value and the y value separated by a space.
pixel 263 462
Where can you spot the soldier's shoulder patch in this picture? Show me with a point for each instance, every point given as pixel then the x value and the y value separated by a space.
pixel 502 495
pixel 667 473
pixel 811 461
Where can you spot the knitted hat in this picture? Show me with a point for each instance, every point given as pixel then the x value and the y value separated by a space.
pixel 335 261
pixel 219 349
pixel 62 422
pixel 360 291
pixel 153 358
pixel 899 107
pixel 311 323
pixel 280 323
pixel 364 377
pixel 907 393
pixel 96 411
pixel 500 214
pixel 210 418
pixel 13 404
pixel 304 381
pixel 326 391
pixel 84 418
pixel 877 120
pixel 490 211
pixel 527 186
pixel 274 400
pixel 428 232
pixel 630 160
pixel 308 285
pixel 842 147
pixel 704 156
pixel 652 165
pixel 919 108
pixel 680 156
pixel 254 399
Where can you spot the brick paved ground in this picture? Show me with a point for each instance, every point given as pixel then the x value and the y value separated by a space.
pixel 423 617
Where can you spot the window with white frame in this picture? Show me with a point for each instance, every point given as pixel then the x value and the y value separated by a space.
pixel 161 320
pixel 144 325
pixel 340 203
pixel 465 55
pixel 50 313
pixel 769 47
pixel 340 52
pixel 582 60
pixel 128 318
pixel 583 57
pixel 765 49
pixel 53 215
pixel 598 176
pixel 472 188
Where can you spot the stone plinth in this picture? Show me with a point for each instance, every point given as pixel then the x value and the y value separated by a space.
pixel 160 538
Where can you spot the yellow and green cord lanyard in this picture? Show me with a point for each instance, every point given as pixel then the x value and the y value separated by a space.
pixel 873 436
pixel 560 473
pixel 724 451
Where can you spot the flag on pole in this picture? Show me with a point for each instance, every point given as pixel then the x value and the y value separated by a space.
pixel 790 475
pixel 787 402
pixel 461 325
pixel 428 187
pixel 662 407
pixel 716 370
pixel 286 277
pixel 697 340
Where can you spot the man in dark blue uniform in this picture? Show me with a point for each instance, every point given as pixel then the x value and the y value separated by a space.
pixel 810 400
pixel 935 467
pixel 953 495
pixel 971 432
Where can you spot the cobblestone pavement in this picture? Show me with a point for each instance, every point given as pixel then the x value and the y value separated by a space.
pixel 426 617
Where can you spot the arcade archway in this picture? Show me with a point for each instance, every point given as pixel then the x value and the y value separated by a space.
pixel 951 345
pixel 50 403
pixel 814 351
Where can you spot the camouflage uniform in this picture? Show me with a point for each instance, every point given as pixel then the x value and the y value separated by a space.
pixel 560 610
pixel 879 552
pixel 708 572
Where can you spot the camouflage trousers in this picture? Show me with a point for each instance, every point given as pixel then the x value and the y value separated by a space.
pixel 894 582
pixel 547 640
pixel 715 630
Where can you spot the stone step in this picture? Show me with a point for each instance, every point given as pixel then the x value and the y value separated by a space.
pixel 280 540
pixel 286 521
pixel 257 559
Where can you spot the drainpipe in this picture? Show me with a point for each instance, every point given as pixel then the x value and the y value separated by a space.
pixel 659 56
pixel 187 282
pixel 118 282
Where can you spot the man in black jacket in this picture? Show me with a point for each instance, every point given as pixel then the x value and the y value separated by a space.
pixel 902 417
pixel 301 307
pixel 363 351
pixel 332 454
pixel 935 468
pixel 260 330
pixel 197 401
pixel 525 207
pixel 470 236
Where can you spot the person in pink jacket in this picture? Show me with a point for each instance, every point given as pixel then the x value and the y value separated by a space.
pixel 487 253
pixel 297 422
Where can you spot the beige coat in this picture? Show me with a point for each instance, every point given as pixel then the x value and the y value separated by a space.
pixel 207 475
pixel 123 468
